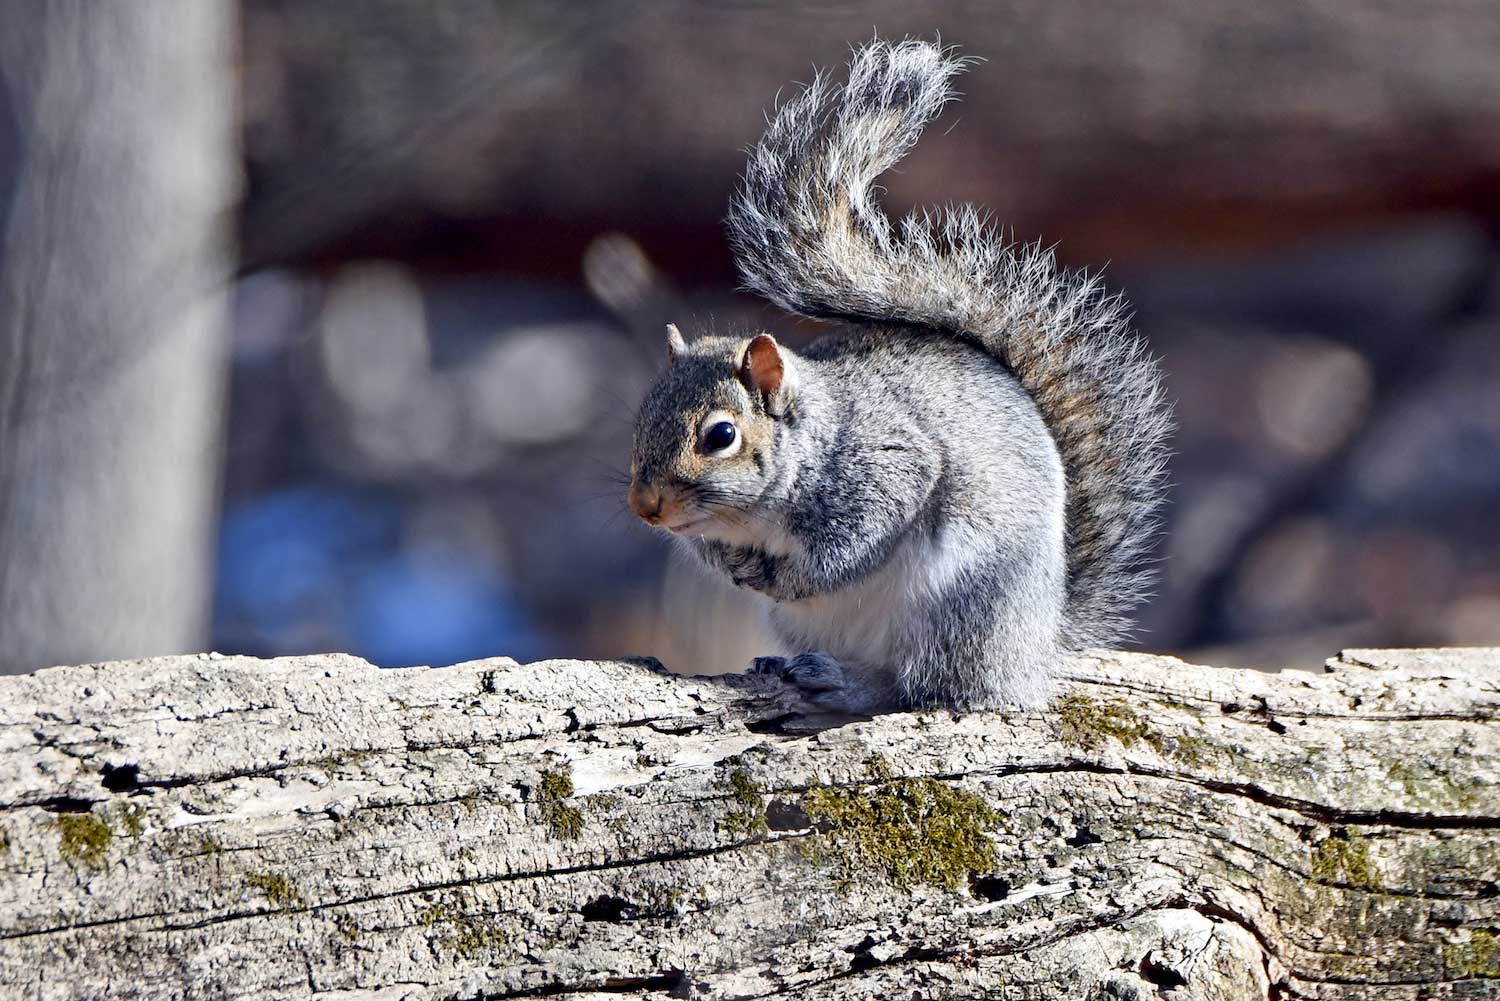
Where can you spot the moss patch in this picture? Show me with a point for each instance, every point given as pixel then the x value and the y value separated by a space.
pixel 606 806
pixel 1478 957
pixel 465 934
pixel 1408 778
pixel 1191 750
pixel 278 889
pixel 84 838
pixel 1431 786
pixel 1186 748
pixel 1342 859
pixel 1085 723
pixel 747 813
pixel 131 817
pixel 552 793
pixel 911 830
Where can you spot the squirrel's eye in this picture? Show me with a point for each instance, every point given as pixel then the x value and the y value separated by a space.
pixel 719 436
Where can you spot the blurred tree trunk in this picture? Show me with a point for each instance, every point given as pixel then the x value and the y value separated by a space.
pixel 117 145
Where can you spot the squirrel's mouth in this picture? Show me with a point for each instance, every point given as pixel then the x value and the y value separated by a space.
pixel 688 524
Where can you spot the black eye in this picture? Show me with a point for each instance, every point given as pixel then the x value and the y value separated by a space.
pixel 719 437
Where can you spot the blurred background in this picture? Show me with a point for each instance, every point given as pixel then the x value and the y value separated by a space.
pixel 322 325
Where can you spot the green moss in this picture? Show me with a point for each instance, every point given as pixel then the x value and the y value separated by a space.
pixel 1184 747
pixel 348 929
pixel 184 843
pixel 1431 786
pixel 555 786
pixel 878 769
pixel 1085 723
pixel 278 889
pixel 84 838
pixel 1407 777
pixel 747 813
pixel 351 757
pixel 552 793
pixel 131 816
pixel 438 914
pixel 1478 957
pixel 1191 750
pixel 466 934
pixel 1342 859
pixel 910 830
pixel 602 805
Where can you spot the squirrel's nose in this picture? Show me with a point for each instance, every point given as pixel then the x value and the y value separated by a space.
pixel 646 501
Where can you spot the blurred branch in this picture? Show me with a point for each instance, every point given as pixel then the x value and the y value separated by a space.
pixel 1104 126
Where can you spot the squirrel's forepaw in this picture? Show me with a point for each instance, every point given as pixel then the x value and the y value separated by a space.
pixel 815 673
pixel 818 677
pixel 775 666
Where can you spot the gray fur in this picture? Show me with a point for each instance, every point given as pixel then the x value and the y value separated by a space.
pixel 964 481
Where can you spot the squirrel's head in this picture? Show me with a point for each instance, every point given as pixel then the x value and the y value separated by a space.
pixel 706 434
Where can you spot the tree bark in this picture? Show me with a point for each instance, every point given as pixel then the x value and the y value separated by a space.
pixel 316 827
pixel 117 171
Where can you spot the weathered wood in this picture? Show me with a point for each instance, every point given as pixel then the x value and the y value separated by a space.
pixel 313 826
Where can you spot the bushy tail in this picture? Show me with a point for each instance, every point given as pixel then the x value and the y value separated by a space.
pixel 811 237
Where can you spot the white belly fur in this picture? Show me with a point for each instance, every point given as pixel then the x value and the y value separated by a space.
pixel 870 624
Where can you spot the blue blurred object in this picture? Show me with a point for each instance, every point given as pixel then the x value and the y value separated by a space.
pixel 433 608
pixel 323 567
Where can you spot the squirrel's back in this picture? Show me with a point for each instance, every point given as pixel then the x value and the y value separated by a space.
pixel 810 236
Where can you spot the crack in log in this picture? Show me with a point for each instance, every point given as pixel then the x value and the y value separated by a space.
pixel 319 908
pixel 1485 892
pixel 262 772
pixel 1320 812
pixel 1288 711
pixel 1210 909
pixel 930 955
pixel 614 985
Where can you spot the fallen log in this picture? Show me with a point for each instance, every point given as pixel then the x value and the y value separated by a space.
pixel 316 827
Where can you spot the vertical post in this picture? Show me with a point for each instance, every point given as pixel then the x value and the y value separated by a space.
pixel 117 175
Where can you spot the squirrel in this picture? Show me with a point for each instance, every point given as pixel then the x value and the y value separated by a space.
pixel 956 487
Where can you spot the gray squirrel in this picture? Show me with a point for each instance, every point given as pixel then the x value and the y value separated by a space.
pixel 953 489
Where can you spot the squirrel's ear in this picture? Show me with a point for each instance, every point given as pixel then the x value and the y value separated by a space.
pixel 676 345
pixel 765 372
